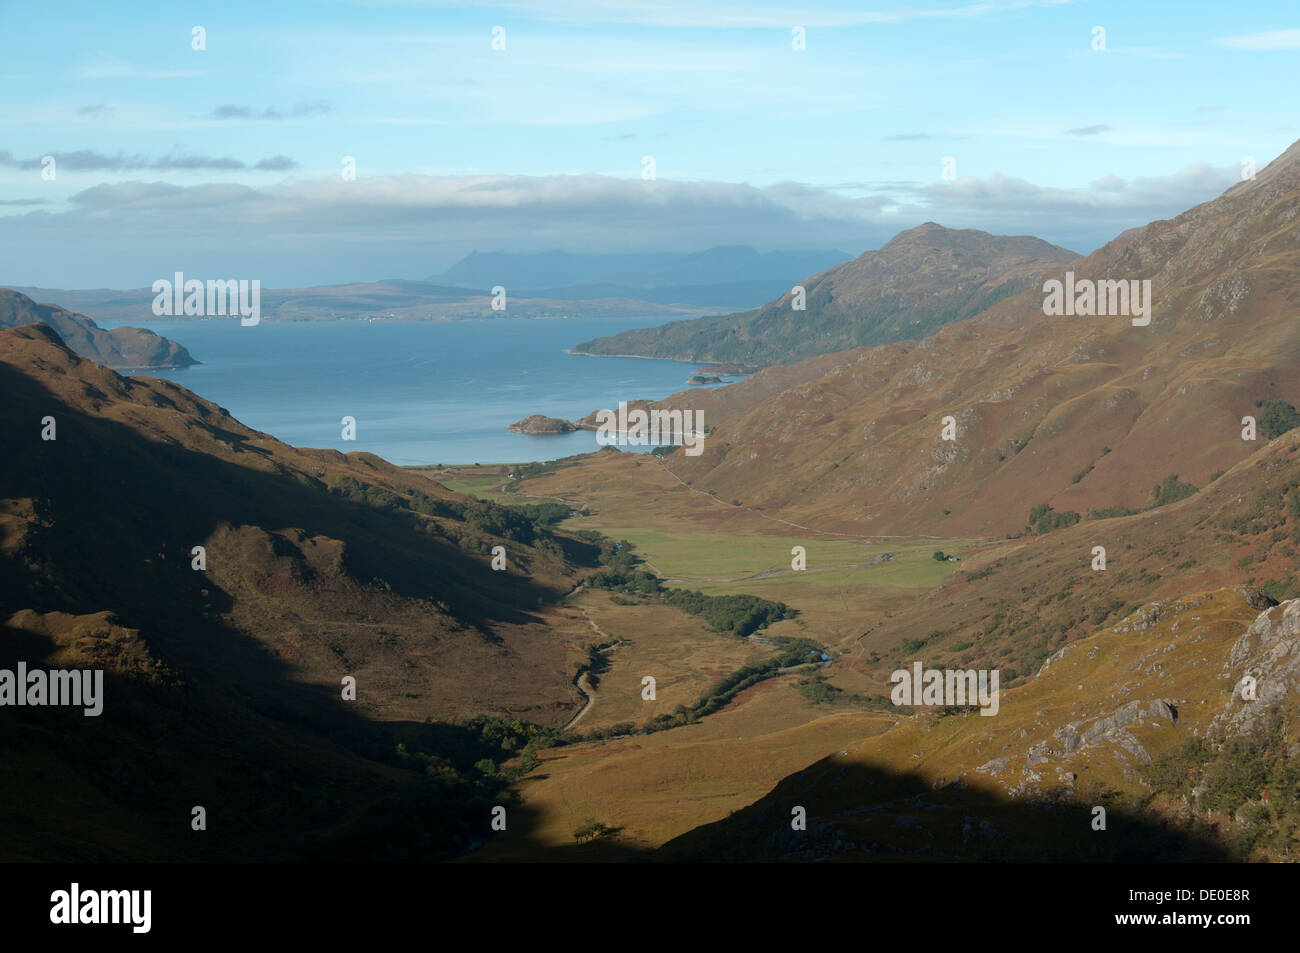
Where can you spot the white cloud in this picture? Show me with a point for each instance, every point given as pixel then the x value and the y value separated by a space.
pixel 305 231
pixel 684 13
pixel 1271 40
pixel 1141 198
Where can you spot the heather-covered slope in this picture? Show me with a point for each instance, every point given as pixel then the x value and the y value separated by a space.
pixel 923 279
pixel 1146 719
pixel 1080 413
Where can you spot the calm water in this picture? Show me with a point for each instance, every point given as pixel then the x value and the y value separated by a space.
pixel 437 392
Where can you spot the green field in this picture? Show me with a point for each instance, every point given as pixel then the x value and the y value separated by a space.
pixel 718 562
pixel 483 487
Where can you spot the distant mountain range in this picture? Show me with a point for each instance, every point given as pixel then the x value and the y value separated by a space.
pixel 923 279
pixel 548 285
pixel 723 265
pixel 394 300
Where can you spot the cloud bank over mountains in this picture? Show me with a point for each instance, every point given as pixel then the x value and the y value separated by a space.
pixel 408 225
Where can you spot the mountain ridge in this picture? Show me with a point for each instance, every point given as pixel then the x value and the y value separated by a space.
pixel 922 279
pixel 122 347
pixel 1078 413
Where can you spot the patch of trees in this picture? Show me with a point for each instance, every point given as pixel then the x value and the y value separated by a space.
pixel 1043 519
pixel 526 470
pixel 597 662
pixel 523 524
pixel 1170 490
pixel 1250 777
pixel 617 580
pixel 592 830
pixel 912 646
pixel 1270 510
pixel 497 739
pixel 741 615
pixel 456 776
pixel 817 690
pixel 1277 418
pixel 617 556
pixel 792 652
pixel 1110 512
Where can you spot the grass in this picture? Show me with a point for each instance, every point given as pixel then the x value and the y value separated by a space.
pixel 716 562
pixel 482 487
pixel 675 648
pixel 655 787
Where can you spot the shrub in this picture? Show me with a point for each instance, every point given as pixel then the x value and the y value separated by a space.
pixel 1110 512
pixel 1170 490
pixel 817 690
pixel 1277 418
pixel 1043 519
pixel 592 830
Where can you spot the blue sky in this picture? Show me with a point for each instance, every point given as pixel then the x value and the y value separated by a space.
pixel 227 161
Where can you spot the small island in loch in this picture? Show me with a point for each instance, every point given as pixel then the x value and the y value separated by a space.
pixel 540 424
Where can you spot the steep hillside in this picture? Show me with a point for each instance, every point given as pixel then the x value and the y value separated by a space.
pixel 923 279
pixel 120 347
pixel 1080 413
pixel 224 680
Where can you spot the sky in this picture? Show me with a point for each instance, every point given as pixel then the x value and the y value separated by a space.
pixel 317 143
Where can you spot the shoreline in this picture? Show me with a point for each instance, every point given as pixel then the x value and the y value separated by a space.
pixel 640 357
pixel 674 360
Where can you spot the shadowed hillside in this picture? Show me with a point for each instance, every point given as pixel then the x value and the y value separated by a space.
pixel 223 685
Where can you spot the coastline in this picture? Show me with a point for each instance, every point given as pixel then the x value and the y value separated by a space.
pixel 641 357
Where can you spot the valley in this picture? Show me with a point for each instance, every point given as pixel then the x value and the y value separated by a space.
pixel 644 786
pixel 690 656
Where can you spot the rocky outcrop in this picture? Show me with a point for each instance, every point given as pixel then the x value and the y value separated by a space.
pixel 1265 662
pixel 1145 618
pixel 1113 727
